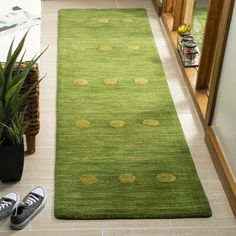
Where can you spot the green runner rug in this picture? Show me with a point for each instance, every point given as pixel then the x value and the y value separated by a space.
pixel 121 152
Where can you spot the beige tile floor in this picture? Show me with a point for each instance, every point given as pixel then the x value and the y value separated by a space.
pixel 39 168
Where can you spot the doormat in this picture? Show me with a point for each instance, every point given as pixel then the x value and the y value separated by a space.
pixel 121 152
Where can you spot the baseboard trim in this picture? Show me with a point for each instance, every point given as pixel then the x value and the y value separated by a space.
pixel 222 167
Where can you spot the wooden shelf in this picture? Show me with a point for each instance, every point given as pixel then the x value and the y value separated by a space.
pixel 200 98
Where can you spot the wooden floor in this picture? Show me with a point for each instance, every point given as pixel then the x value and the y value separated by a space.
pixel 39 168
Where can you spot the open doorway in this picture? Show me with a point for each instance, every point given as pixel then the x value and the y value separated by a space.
pixel 209 20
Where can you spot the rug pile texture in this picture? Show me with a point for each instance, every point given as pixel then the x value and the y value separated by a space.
pixel 121 152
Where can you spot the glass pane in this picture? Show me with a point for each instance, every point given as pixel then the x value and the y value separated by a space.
pixel 199 20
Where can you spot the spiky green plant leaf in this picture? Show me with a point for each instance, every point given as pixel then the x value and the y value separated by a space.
pixel 2 81
pixel 11 59
pixel 9 54
pixel 12 78
pixel 13 91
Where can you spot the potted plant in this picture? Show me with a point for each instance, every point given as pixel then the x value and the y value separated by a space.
pixel 12 150
pixel 12 76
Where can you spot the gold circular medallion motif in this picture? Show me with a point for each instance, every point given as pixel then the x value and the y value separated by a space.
pixel 81 82
pixel 117 123
pixel 88 179
pixel 106 48
pixel 82 124
pixel 141 81
pixel 103 20
pixel 127 178
pixel 133 47
pixel 110 81
pixel 166 178
pixel 151 123
pixel 127 20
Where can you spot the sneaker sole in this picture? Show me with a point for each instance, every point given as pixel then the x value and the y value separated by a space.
pixel 23 224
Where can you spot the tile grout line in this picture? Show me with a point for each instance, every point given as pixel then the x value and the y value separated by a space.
pixel 171 225
pixel 130 228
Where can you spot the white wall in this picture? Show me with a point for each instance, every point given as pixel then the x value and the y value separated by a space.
pixel 224 122
pixel 32 44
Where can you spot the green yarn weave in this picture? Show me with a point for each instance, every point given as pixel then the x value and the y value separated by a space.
pixel 121 152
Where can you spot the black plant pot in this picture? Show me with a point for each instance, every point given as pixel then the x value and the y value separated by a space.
pixel 11 162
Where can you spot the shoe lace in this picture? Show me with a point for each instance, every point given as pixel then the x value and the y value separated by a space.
pixel 4 204
pixel 31 199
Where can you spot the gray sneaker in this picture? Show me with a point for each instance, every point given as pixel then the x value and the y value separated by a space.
pixel 8 203
pixel 29 207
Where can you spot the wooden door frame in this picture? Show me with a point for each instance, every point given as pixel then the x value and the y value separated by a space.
pixel 175 8
pixel 218 157
pixel 209 43
pixel 218 57
pixel 167 6
pixel 178 12
pixel 186 4
pixel 158 6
